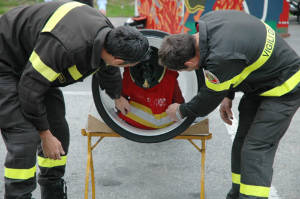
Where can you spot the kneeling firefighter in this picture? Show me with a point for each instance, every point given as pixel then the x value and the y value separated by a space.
pixel 43 47
pixel 150 89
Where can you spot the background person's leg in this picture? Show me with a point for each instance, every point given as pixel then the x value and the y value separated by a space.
pixel 247 110
pixel 52 171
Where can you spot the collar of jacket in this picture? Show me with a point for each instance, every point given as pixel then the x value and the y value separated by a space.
pixel 98 45
pixel 203 47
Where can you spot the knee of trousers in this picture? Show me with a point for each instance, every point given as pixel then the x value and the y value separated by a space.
pixel 259 151
pixel 21 149
pixel 256 162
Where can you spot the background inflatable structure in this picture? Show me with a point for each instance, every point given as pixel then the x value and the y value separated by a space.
pixel 177 16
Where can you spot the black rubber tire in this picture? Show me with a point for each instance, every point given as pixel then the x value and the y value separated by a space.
pixel 131 135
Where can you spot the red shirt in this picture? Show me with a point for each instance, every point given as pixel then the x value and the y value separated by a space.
pixel 153 100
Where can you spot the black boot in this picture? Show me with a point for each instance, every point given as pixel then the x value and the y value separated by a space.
pixel 232 194
pixel 57 190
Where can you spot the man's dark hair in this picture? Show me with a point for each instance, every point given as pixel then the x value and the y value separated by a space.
pixel 175 50
pixel 127 43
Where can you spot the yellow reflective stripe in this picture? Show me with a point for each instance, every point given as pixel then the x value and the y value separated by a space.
pixel 265 55
pixel 59 14
pixel 148 110
pixel 147 118
pixel 42 68
pixel 74 72
pixel 20 174
pixel 145 122
pixel 221 86
pixel 252 190
pixel 49 163
pixel 284 88
pixel 236 178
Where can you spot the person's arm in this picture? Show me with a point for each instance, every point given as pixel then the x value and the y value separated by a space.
pixel 202 104
pixel 225 110
pixel 42 69
pixel 110 80
pixel 208 99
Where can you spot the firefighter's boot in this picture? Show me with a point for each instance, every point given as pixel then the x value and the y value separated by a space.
pixel 57 190
pixel 232 194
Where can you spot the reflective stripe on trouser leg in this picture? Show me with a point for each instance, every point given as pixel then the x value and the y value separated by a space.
pixel 20 169
pixel 52 171
pixel 272 119
pixel 247 111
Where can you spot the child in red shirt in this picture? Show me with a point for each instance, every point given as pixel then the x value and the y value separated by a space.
pixel 150 89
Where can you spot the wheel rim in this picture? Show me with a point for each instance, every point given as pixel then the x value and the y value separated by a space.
pixel 188 82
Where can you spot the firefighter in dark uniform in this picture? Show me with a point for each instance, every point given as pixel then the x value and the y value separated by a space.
pixel 238 52
pixel 43 47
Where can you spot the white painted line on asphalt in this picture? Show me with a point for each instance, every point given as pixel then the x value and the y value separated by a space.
pixel 231 130
pixel 82 93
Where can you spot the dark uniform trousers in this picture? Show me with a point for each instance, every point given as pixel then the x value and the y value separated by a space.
pixel 23 142
pixel 262 123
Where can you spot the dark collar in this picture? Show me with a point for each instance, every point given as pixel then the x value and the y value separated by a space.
pixel 98 45
pixel 203 46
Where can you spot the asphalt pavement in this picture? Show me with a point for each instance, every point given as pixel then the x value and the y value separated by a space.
pixel 171 169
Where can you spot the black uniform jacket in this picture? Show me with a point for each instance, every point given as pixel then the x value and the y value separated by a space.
pixel 52 45
pixel 238 52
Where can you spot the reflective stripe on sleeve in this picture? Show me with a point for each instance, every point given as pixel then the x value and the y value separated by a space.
pixel 50 163
pixel 253 190
pixel 59 14
pixel 42 68
pixel 74 72
pixel 19 174
pixel 265 55
pixel 284 88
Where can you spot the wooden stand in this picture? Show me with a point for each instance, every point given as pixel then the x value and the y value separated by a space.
pixel 198 131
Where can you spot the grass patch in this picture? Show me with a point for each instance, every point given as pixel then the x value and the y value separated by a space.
pixel 114 8
pixel 6 5
pixel 119 11
pixel 120 8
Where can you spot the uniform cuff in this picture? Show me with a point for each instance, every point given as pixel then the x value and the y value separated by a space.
pixel 41 124
pixel 231 95
pixel 182 111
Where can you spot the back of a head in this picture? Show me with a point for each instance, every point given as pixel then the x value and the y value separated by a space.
pixel 127 43
pixel 175 50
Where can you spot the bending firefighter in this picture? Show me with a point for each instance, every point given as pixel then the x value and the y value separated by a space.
pixel 150 89
pixel 238 52
pixel 43 47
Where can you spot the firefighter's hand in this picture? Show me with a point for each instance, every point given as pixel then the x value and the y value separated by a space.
pixel 225 111
pixel 122 105
pixel 171 111
pixel 51 145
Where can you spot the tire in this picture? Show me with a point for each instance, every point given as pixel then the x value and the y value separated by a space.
pixel 105 108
